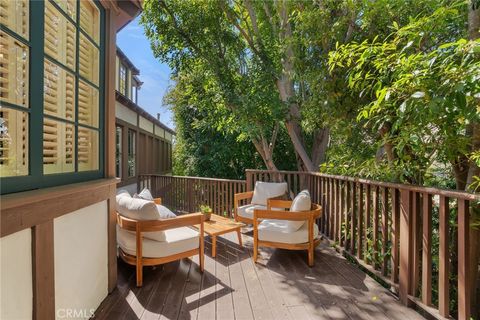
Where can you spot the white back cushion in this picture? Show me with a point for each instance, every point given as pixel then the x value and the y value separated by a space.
pixel 145 194
pixel 266 190
pixel 137 209
pixel 302 202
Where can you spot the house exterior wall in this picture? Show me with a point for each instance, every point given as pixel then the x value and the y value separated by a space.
pixel 58 241
pixel 16 276
pixel 145 124
pixel 81 274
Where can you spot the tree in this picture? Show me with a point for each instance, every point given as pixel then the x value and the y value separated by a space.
pixel 423 83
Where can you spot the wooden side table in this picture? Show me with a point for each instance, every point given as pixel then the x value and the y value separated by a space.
pixel 218 225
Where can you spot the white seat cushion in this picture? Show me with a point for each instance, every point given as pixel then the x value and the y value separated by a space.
pixel 247 210
pixel 267 190
pixel 277 231
pixel 176 241
pixel 302 202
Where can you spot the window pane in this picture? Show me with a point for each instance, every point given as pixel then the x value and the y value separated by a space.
pixel 69 7
pixel 13 142
pixel 14 14
pixel 87 149
pixel 118 152
pixel 123 79
pixel 59 92
pixel 87 104
pixel 88 60
pixel 90 19
pixel 13 71
pixel 58 146
pixel 131 153
pixel 60 36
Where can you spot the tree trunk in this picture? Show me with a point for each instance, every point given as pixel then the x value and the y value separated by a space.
pixel 474 171
pixel 265 153
pixel 320 144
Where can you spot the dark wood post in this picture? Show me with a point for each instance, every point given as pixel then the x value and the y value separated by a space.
pixel 406 246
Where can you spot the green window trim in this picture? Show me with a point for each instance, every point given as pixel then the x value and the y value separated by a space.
pixel 36 178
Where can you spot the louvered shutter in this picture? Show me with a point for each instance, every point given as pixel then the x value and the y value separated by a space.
pixel 15 15
pixel 87 149
pixel 60 37
pixel 13 142
pixel 13 71
pixel 58 146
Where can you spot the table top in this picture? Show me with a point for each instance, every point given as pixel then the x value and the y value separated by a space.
pixel 218 225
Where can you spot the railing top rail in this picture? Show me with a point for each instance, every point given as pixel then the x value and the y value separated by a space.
pixel 192 178
pixel 430 190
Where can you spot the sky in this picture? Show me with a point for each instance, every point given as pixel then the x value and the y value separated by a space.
pixel 154 74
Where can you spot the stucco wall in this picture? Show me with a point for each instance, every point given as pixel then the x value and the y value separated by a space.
pixel 159 132
pixel 125 114
pixel 81 276
pixel 145 124
pixel 16 294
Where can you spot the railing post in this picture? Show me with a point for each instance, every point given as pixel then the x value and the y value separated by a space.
pixel 406 246
pixel 463 259
pixel 248 176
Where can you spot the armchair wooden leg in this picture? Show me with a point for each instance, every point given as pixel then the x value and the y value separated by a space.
pixel 255 251
pixel 139 257
pixel 311 257
pixel 202 249
pixel 139 273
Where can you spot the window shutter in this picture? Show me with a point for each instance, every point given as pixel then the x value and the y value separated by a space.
pixel 89 57
pixel 87 149
pixel 59 93
pixel 58 146
pixel 13 71
pixel 87 104
pixel 13 142
pixel 60 37
pixel 90 19
pixel 14 15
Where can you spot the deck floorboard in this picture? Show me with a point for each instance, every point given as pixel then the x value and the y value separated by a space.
pixel 280 286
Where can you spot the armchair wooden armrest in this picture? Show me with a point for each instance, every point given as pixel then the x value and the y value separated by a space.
pixel 157 200
pixel 314 213
pixel 160 225
pixel 278 203
pixel 242 196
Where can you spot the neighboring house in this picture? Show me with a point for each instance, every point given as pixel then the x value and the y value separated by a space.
pixel 143 143
pixel 57 155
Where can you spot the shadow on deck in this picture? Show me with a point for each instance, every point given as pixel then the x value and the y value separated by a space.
pixel 280 286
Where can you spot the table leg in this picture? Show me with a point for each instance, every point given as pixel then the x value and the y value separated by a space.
pixel 239 234
pixel 214 246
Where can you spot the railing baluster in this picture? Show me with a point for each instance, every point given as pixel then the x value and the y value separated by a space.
pixel 347 214
pixel 360 222
pixel 353 218
pixel 395 234
pixel 375 228
pixel 384 230
pixel 444 268
pixel 427 250
pixel 417 240
pixel 368 206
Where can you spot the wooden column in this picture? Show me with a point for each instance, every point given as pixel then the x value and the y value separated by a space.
pixel 43 271
pixel 406 246
pixel 110 71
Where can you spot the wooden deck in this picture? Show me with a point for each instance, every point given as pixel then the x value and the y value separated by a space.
pixel 280 286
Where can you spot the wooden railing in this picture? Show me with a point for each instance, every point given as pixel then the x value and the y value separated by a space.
pixel 186 194
pixel 414 238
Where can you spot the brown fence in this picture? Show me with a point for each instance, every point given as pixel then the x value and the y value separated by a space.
pixel 186 194
pixel 415 238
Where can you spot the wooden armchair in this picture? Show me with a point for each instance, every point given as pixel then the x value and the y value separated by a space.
pixel 272 231
pixel 159 252
pixel 258 199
